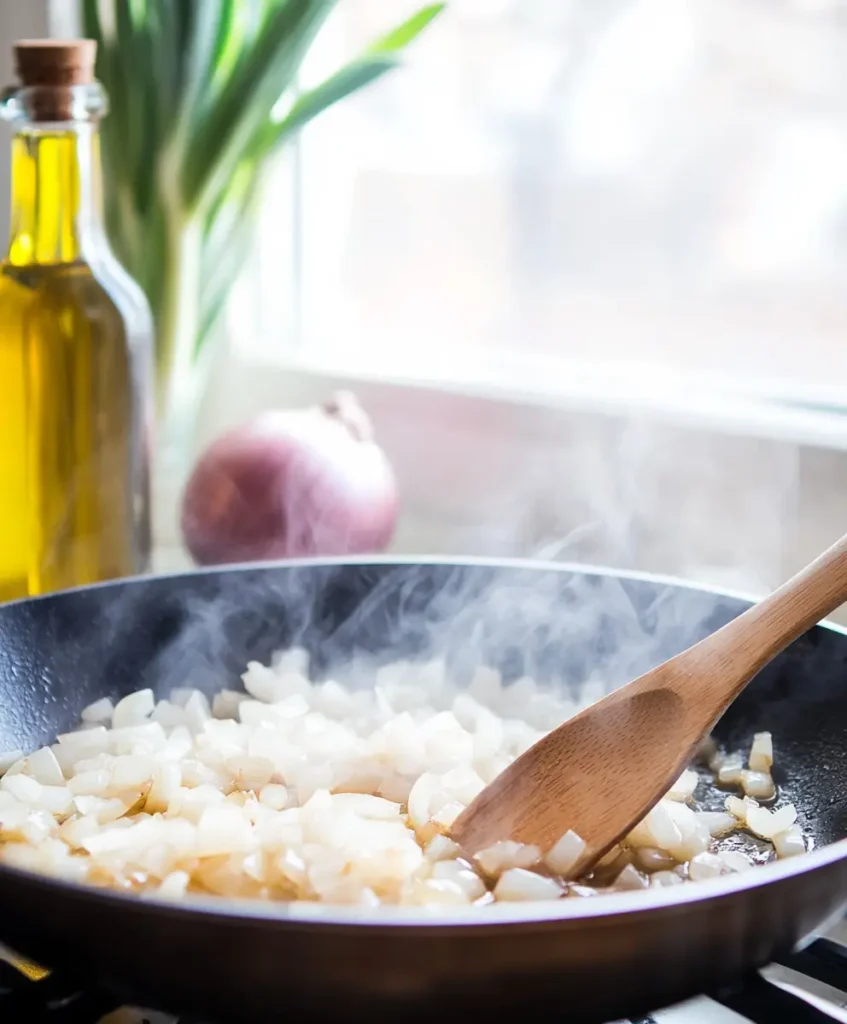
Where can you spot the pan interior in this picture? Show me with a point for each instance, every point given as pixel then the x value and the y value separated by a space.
pixel 556 624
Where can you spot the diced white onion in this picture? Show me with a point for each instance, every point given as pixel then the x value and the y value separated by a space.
pixel 730 772
pixel 441 847
pixel 44 768
pixel 650 859
pixel 565 854
pixel 8 759
pixel 790 842
pixel 734 860
pixel 337 792
pixel 761 753
pixel 737 807
pixel 683 788
pixel 518 884
pixel 662 879
pixel 718 822
pixel 705 865
pixel 133 709
pixel 22 787
pixel 766 825
pixel 631 878
pixel 100 712
pixel 757 784
pixel 500 857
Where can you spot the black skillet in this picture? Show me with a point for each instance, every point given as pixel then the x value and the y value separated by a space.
pixel 584 959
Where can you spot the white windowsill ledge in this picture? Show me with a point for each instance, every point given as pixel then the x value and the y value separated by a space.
pixel 718 404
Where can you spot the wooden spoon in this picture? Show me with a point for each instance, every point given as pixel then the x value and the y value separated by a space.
pixel 600 772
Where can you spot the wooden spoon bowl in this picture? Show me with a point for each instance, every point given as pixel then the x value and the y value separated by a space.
pixel 600 772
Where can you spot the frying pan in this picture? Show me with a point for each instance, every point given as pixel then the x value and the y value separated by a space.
pixel 584 959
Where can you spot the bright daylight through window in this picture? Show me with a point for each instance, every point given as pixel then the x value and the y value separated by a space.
pixel 650 184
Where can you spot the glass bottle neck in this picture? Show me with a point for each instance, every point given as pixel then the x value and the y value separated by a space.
pixel 55 193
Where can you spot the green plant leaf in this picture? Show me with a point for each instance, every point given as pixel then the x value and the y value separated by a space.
pixel 406 32
pixel 91 25
pixel 226 248
pixel 308 105
pixel 227 45
pixel 108 69
pixel 210 26
pixel 131 67
pixel 379 57
pixel 167 25
pixel 260 77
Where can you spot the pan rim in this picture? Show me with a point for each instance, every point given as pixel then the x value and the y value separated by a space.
pixel 484 561
pixel 475 919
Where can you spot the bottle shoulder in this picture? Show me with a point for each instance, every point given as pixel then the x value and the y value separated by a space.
pixel 124 290
pixel 68 299
pixel 92 288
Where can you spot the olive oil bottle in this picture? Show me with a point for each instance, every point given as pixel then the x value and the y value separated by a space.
pixel 75 344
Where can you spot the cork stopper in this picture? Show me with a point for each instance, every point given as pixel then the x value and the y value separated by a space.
pixel 55 62
pixel 48 69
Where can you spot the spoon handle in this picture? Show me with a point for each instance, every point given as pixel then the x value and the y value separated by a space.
pixel 731 656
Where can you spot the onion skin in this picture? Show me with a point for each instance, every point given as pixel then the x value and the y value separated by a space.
pixel 291 483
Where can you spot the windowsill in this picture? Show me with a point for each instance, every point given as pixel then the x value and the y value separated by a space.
pixel 814 417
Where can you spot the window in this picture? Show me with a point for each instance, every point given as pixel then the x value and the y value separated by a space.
pixel 654 186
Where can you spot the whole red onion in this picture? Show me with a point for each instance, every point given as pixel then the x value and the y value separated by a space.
pixel 291 483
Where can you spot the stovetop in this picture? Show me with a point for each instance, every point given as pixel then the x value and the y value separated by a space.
pixel 807 987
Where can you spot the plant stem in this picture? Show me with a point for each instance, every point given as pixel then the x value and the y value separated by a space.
pixel 178 318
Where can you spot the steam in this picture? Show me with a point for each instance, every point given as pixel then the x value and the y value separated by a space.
pixel 551 624
pixel 638 494
pixel 631 496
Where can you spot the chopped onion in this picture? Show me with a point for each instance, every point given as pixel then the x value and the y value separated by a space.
pixel 133 709
pixel 631 878
pixel 100 712
pixel 131 772
pixel 730 772
pixel 767 824
pixel 757 784
pixel 250 773
pixel 462 874
pixel 761 753
pixel 662 879
pixel 737 807
pixel 520 884
pixel 44 768
pixel 565 854
pixel 175 885
pixel 705 865
pixel 223 830
pixel 790 842
pixel 441 848
pixel 274 796
pixel 332 791
pixel 717 822
pixel 22 787
pixel 734 860
pixel 657 829
pixel 500 857
pixel 10 758
pixel 93 783
pixel 650 859
pixel 683 788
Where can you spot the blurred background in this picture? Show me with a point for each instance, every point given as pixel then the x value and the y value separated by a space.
pixel 584 262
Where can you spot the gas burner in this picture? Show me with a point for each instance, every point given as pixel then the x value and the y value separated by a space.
pixel 809 987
